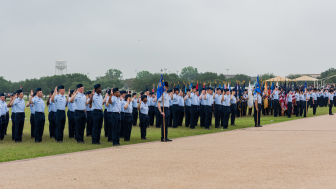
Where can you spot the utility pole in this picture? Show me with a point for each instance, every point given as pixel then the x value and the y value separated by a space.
pixel 227 72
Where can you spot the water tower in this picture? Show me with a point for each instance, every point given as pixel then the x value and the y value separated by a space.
pixel 61 67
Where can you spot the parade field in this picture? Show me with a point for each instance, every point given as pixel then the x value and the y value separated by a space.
pixel 10 151
pixel 293 154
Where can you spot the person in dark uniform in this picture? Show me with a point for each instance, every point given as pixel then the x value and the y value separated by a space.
pixel 197 117
pixel 202 111
pixel 128 109
pixel 71 115
pixel 163 105
pixel 187 108
pixel 151 109
pixel 276 101
pixel 208 107
pixel 51 115
pixel 233 107
pixel 226 108
pixel 297 103
pixel 113 105
pixel 289 103
pixel 157 113
pixel 89 122
pixel 80 101
pixel 39 106
pixel 330 101
pixel 13 114
pixel 135 109
pixel 122 100
pixel 32 117
pixel 180 110
pixel 105 118
pixel 19 104
pixel 257 107
pixel 7 117
pixel 170 92
pixel 96 103
pixel 3 110
pixel 144 119
pixel 193 108
pixel 60 101
pixel 314 100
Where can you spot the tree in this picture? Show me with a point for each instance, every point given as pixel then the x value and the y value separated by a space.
pixel 144 75
pixel 189 73
pixel 329 72
pixel 266 76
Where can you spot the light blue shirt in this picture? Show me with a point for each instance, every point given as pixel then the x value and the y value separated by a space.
pixel 257 97
pixel 317 94
pixel 80 101
pixel 3 107
pixel 188 102
pixel 156 102
pixel 19 105
pixel 60 102
pixel 289 98
pixel 175 99
pixel 71 106
pixel 203 102
pixel 233 100
pixel 297 96
pixel 181 101
pixel 32 109
pixel 226 101
pixel 13 109
pixel 170 102
pixel 88 109
pixel 122 104
pixel 314 96
pixel 276 95
pixel 209 100
pixel 116 104
pixel 97 102
pixel 302 97
pixel 134 103
pixel 194 98
pixel 38 104
pixel 52 106
pixel 218 99
pixel 166 99
pixel 129 108
pixel 330 96
pixel 143 108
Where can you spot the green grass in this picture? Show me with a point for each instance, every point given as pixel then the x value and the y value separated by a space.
pixel 10 150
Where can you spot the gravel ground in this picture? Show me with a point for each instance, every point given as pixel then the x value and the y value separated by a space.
pixel 295 154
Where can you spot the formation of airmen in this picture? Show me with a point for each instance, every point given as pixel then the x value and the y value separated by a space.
pixel 122 109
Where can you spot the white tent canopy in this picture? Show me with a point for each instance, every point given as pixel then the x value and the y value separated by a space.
pixel 305 78
pixel 279 78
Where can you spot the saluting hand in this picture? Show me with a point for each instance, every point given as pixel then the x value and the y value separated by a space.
pixel 93 91
pixel 55 91
pixel 31 93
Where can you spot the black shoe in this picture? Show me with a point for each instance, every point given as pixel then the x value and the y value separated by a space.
pixel 192 127
pixel 109 141
pixel 71 137
pixel 144 138
pixel 38 141
pixel 259 125
pixel 208 128
pixel 18 141
pixel 60 141
pixel 233 124
pixel 331 114
pixel 126 140
pixel 217 127
pixel 168 140
pixel 88 135
pixel 116 144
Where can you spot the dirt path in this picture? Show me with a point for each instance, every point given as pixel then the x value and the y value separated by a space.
pixel 295 154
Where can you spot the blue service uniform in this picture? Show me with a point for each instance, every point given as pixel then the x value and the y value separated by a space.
pixel 330 97
pixel 175 110
pixel 187 112
pixel 208 110
pixel 39 118
pixel 128 119
pixel 314 102
pixel 144 119
pixel 202 110
pixel 170 121
pixel 80 117
pixel 164 126
pixel 298 104
pixel 19 118
pixel 60 102
pixel 32 120
pixel 105 121
pixel 3 127
pixel 226 111
pixel 157 115
pixel 193 109
pixel 89 119
pixel 289 105
pixel 135 111
pixel 122 113
pixel 52 119
pixel 97 117
pixel 7 119
pixel 180 111
pixel 276 102
pixel 151 111
pixel 257 97
pixel 233 109
pixel 114 118
pixel 71 119
pixel 13 121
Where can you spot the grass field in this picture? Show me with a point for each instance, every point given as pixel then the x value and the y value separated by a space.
pixel 10 150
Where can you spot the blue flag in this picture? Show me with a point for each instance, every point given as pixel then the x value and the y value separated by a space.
pixel 305 87
pixel 190 86
pixel 257 86
pixel 160 88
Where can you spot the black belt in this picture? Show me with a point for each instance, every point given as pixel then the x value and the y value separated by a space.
pixel 61 110
pixel 79 111
pixel 97 110
pixel 40 112
pixel 116 112
pixel 20 112
pixel 143 114
pixel 32 114
pixel 3 115
pixel 127 113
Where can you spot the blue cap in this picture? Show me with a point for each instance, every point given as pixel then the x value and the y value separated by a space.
pixel 176 89
pixel 115 90
pixel 19 91
pixel 96 86
pixel 34 94
pixel 71 91
pixel 79 86
pixel 188 90
pixel 2 94
pixel 133 94
pixel 60 87
pixel 52 92
pixel 88 92
pixel 141 93
pixel 143 97
pixel 128 95
pixel 38 89
pixel 108 91
pixel 193 87
pixel 169 91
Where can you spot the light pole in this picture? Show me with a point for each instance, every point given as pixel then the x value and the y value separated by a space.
pixel 227 72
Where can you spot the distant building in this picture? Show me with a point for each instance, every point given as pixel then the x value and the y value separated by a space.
pixel 311 75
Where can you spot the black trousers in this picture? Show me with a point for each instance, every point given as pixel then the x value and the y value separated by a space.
pixel 115 122
pixel 218 111
pixel 314 107
pixel 170 117
pixel 158 118
pixel 208 113
pixel 233 110
pixel 187 116
pixel 89 123
pixel 197 115
pixel 71 124
pixel 297 108
pixel 330 107
pixel 257 115
pixel 193 114
pixel 121 133
pixel 52 124
pixel 325 101
pixel 334 100
pixel 135 116
pixel 19 122
pixel 105 123
pixel 60 123
pixel 164 128
pixel 7 121
pixel 289 109
pixel 180 112
pixel 175 115
pixel 80 121
pixel 2 126
pixel 13 125
pixel 39 126
pixel 202 115
pixel 32 125
pixel 303 106
pixel 97 118
pixel 128 120
pixel 144 119
pixel 276 107
pixel 225 117
pixel 151 115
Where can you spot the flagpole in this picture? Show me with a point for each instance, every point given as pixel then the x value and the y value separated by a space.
pixel 163 117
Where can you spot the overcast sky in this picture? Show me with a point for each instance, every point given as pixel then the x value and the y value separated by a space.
pixel 249 37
